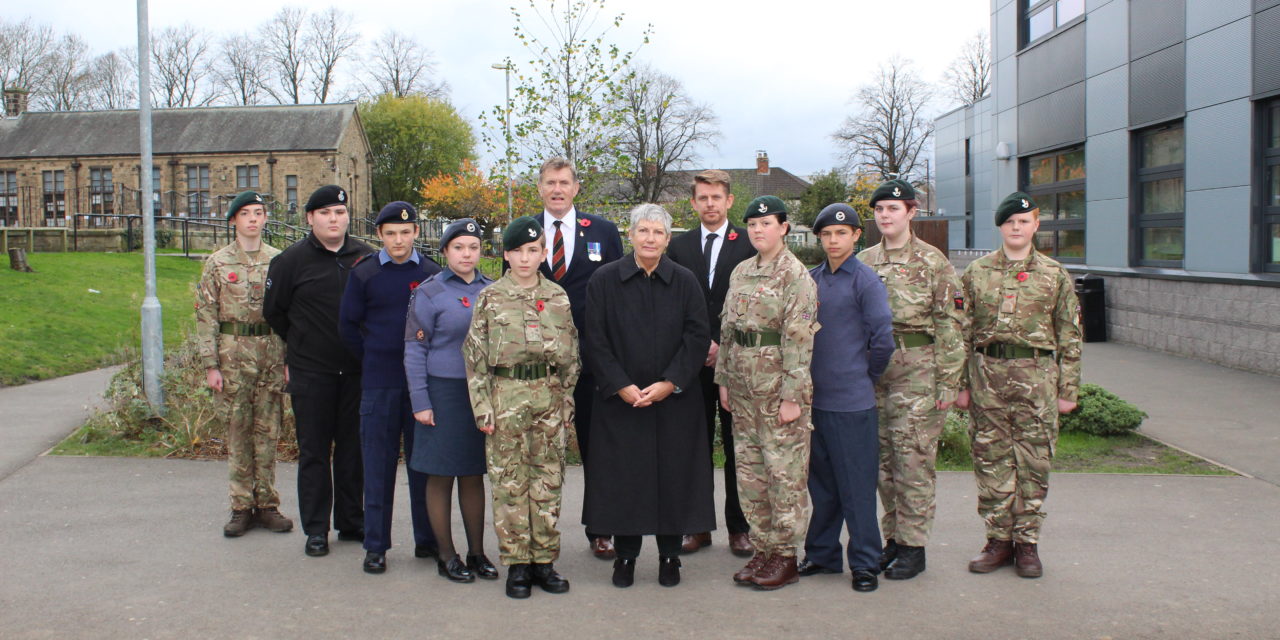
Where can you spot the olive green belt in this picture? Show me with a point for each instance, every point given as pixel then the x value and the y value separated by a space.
pixel 1008 351
pixel 525 371
pixel 244 328
pixel 910 340
pixel 757 338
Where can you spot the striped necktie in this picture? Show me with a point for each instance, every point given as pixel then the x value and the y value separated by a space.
pixel 557 255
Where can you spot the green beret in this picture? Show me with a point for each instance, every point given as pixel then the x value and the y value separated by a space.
pixel 764 206
pixel 1016 202
pixel 895 189
pixel 520 232
pixel 245 198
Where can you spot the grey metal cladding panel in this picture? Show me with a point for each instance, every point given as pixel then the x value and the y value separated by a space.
pixel 1218 65
pixel 1266 43
pixel 1106 233
pixel 1157 86
pixel 1051 121
pixel 1259 5
pixel 1154 25
pixel 1056 63
pixel 1218 145
pixel 1107 162
pixel 1108 100
pixel 1107 38
pixel 1203 15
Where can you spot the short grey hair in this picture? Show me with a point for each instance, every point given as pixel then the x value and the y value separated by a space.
pixel 652 213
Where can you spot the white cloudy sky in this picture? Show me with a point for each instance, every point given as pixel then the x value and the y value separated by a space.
pixel 778 74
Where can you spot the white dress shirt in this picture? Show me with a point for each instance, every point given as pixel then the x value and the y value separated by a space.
pixel 568 233
pixel 716 245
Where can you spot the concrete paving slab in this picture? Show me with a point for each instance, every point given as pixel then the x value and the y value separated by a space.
pixel 130 548
pixel 36 416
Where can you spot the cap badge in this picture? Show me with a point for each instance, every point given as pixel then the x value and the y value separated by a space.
pixel 840 216
pixel 471 226
pixel 533 233
pixel 342 195
pixel 897 191
pixel 764 208
pixel 404 214
pixel 1025 204
pixel 257 198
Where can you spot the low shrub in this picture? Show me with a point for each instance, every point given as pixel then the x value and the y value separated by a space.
pixel 1102 413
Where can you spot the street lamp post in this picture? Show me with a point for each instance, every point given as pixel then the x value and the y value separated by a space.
pixel 152 328
pixel 506 68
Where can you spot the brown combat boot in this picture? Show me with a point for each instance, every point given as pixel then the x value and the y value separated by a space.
pixel 1027 560
pixel 241 522
pixel 996 554
pixel 745 575
pixel 272 520
pixel 777 573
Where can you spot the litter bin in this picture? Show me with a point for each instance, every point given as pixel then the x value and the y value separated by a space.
pixel 1091 290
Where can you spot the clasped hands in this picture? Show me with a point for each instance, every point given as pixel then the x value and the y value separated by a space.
pixel 640 398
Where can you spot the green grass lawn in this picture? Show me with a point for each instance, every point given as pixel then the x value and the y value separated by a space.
pixel 52 325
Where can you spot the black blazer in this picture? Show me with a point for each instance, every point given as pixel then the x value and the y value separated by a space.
pixel 581 266
pixel 686 251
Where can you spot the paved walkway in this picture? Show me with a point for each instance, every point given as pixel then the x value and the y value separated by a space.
pixel 132 548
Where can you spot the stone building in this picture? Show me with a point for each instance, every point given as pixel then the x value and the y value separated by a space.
pixel 78 168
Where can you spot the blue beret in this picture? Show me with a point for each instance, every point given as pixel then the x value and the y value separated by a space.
pixel 837 213
pixel 396 212
pixel 460 227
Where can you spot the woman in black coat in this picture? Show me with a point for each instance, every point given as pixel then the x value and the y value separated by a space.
pixel 646 339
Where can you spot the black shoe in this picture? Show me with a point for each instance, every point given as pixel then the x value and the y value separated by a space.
pixel 545 576
pixel 354 535
pixel 454 570
pixel 910 563
pixel 889 554
pixel 865 581
pixel 669 572
pixel 519 580
pixel 375 562
pixel 481 567
pixel 317 545
pixel 811 568
pixel 431 550
pixel 624 572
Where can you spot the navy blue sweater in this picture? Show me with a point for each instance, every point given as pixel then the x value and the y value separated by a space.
pixel 371 320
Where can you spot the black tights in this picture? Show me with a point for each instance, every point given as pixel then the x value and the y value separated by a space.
pixel 628 547
pixel 470 503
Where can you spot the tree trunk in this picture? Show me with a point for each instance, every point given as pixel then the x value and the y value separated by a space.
pixel 18 260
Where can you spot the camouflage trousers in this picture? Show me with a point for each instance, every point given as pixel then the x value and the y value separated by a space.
pixel 772 462
pixel 525 456
pixel 1014 415
pixel 910 425
pixel 251 406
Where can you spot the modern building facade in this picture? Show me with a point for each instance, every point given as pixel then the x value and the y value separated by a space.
pixel 1149 133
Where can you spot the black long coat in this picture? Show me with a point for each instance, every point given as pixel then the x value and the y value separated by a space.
pixel 649 471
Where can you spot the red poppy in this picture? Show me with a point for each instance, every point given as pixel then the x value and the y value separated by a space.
pixel 413 285
pixel 231 277
pixel 733 235
pixel 583 222
pixel 1022 276
pixel 540 305
pixel 466 302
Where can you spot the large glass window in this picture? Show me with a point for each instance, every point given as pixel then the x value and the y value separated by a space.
pixel 1056 181
pixel 101 192
pixel 1043 17
pixel 54 187
pixel 247 177
pixel 1271 186
pixel 1160 199
pixel 291 193
pixel 8 198
pixel 198 203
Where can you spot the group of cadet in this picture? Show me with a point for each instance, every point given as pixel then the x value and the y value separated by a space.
pixel 828 385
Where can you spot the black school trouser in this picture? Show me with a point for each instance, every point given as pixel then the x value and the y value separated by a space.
pixel 584 395
pixel 326 407
pixel 628 547
pixel 734 521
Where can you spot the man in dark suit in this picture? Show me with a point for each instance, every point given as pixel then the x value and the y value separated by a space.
pixel 577 244
pixel 711 252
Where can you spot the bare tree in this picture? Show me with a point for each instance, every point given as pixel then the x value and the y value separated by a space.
pixel 661 131
pixel 66 76
pixel 399 65
pixel 969 76
pixel 241 70
pixel 330 37
pixel 113 81
pixel 891 129
pixel 24 47
pixel 282 39
pixel 181 57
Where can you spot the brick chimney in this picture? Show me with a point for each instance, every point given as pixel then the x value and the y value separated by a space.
pixel 15 102
pixel 762 163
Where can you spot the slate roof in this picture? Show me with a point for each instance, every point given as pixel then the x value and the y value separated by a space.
pixel 42 134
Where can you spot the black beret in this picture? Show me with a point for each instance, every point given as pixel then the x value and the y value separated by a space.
pixel 245 198
pixel 1016 202
pixel 396 212
pixel 520 232
pixel 460 227
pixel 765 206
pixel 837 213
pixel 895 189
pixel 326 196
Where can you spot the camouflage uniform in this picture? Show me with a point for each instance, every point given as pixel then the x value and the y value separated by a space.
pixel 774 302
pixel 229 305
pixel 512 325
pixel 924 296
pixel 1028 304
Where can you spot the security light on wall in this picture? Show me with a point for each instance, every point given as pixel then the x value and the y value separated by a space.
pixel 1004 151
